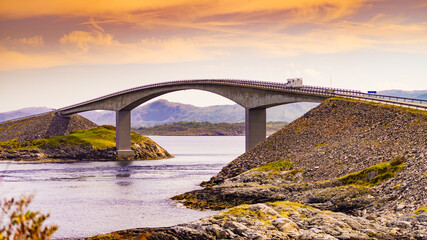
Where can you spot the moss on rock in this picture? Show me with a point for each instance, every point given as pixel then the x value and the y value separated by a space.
pixel 374 175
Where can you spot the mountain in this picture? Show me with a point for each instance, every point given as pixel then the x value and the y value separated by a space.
pixel 164 112
pixel 22 113
pixel 420 94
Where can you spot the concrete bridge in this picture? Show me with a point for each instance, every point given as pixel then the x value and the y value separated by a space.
pixel 254 96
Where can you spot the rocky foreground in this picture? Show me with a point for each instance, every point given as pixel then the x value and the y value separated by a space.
pixel 53 137
pixel 345 170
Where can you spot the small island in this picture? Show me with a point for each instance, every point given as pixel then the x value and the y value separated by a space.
pixel 192 128
pixel 53 137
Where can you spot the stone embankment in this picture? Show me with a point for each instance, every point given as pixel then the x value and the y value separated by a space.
pixel 344 170
pixel 53 137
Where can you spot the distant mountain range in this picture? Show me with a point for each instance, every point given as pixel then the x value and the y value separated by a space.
pixel 419 94
pixel 23 113
pixel 165 112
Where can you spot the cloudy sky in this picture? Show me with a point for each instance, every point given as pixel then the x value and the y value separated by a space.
pixel 56 53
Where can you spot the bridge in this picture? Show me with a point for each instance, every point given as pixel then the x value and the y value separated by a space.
pixel 254 96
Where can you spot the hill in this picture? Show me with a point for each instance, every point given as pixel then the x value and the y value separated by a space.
pixel 204 129
pixel 164 112
pixel 345 170
pixel 50 136
pixel 362 163
pixel 42 126
pixel 5 116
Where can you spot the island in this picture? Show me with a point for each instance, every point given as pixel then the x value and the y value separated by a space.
pixel 53 137
pixel 192 128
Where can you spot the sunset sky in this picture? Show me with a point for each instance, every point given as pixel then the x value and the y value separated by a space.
pixel 56 53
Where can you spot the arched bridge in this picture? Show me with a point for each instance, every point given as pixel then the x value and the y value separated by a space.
pixel 254 96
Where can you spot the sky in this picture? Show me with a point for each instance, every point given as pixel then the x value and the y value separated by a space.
pixel 55 53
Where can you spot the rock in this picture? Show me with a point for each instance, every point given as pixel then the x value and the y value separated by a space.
pixel 285 225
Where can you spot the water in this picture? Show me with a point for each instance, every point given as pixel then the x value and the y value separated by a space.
pixel 94 197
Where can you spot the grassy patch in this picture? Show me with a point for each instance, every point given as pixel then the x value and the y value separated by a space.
pixel 100 138
pixel 10 144
pixel 319 145
pixel 244 211
pixel 374 175
pixel 13 125
pixel 275 167
pixel 421 210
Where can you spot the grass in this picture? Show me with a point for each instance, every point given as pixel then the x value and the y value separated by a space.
pixel 275 167
pixel 319 145
pixel 100 138
pixel 11 143
pixel 376 174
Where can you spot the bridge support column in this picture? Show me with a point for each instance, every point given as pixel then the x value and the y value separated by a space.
pixel 123 134
pixel 255 126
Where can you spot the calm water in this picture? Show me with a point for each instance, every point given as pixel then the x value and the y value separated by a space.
pixel 89 198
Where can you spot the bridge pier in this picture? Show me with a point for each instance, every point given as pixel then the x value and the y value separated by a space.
pixel 123 144
pixel 255 126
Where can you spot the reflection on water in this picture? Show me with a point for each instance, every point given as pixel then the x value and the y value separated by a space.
pixel 92 197
pixel 123 172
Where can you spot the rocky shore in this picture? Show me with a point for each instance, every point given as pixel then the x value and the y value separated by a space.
pixel 345 170
pixel 53 137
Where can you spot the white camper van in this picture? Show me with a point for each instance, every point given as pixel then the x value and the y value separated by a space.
pixel 294 82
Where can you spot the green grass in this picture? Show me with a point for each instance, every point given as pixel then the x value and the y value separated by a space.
pixel 376 174
pixel 11 143
pixel 100 138
pixel 275 167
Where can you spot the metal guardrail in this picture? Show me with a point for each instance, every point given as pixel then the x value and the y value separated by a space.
pixel 320 91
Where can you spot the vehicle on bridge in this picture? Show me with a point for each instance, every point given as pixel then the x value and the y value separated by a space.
pixel 294 82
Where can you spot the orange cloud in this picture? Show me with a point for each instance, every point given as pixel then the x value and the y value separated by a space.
pixel 181 10
pixel 83 39
pixel 189 30
pixel 30 41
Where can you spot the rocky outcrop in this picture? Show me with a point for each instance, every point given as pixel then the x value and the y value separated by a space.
pixel 279 220
pixel 339 137
pixel 50 136
pixel 43 126
pixel 355 159
pixel 345 170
